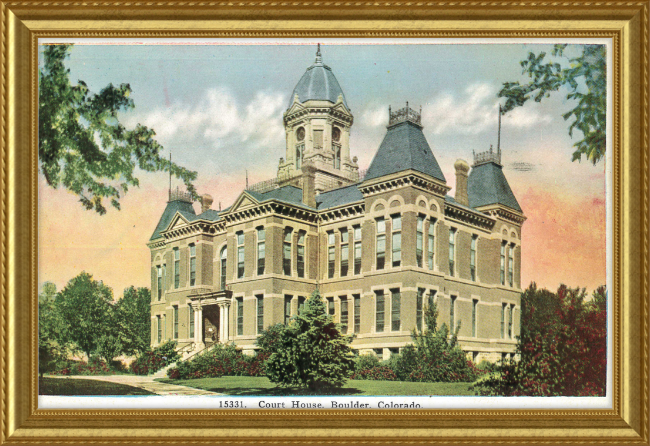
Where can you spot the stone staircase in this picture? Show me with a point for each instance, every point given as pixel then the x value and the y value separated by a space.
pixel 162 373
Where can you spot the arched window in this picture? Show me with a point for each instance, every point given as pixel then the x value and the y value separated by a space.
pixel 224 257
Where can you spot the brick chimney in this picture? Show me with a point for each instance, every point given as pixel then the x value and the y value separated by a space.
pixel 309 184
pixel 206 202
pixel 462 168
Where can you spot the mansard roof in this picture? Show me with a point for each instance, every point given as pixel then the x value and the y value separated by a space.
pixel 339 197
pixel 404 147
pixel 487 185
pixel 287 194
pixel 183 207
pixel 318 83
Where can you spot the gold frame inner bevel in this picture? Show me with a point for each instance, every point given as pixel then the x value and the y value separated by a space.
pixel 23 22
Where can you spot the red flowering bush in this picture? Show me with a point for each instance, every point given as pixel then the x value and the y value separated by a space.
pixel 95 366
pixel 151 361
pixel 563 347
pixel 219 361
pixel 377 373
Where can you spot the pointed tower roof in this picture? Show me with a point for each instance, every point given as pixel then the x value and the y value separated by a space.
pixel 487 184
pixel 178 202
pixel 404 147
pixel 318 83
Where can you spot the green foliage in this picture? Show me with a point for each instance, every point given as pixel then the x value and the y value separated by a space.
pixel 310 350
pixel 562 347
pixel 365 362
pixel 95 366
pixel 84 309
pixel 52 346
pixel 133 321
pixel 152 360
pixel 220 360
pixel 83 146
pixel 586 79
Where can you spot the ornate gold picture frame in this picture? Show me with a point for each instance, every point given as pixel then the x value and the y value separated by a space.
pixel 626 23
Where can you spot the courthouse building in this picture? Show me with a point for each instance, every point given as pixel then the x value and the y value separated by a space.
pixel 378 246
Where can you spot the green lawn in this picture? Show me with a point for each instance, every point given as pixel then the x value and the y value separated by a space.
pixel 71 386
pixel 249 385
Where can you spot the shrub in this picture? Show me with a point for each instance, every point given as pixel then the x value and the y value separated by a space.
pixel 310 351
pixel 220 360
pixel 96 366
pixel 377 373
pixel 365 362
pixel 151 361
pixel 563 347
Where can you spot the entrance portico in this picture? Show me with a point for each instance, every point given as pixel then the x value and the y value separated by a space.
pixel 207 304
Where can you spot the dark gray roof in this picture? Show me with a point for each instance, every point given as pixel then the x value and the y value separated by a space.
pixel 488 185
pixel 210 214
pixel 183 207
pixel 318 83
pixel 338 197
pixel 288 194
pixel 404 147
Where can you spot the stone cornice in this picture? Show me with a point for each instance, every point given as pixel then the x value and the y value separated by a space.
pixel 504 213
pixel 268 208
pixel 468 216
pixel 342 212
pixel 403 179
pixel 303 112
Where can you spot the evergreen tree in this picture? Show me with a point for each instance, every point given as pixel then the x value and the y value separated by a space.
pixel 310 351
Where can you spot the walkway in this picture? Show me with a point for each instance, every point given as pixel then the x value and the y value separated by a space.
pixel 146 383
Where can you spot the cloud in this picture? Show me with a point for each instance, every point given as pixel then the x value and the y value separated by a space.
pixel 473 111
pixel 220 123
pixel 375 116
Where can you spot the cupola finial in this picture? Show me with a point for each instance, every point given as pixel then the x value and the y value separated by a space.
pixel 319 59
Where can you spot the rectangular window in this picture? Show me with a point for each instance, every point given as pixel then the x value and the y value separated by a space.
pixel 357 313
pixel 241 256
pixel 510 319
pixel 318 139
pixel 177 268
pixel 191 324
pixel 192 264
pixel 286 252
pixel 511 262
pixel 300 266
pixel 159 282
pixel 330 306
pixel 224 259
pixel 419 241
pixel 175 314
pixel 379 324
pixel 381 243
pixel 503 321
pixel 261 251
pixel 344 252
pixel 164 275
pixel 472 257
pixel 397 240
pixel 430 240
pixel 260 313
pixel 419 314
pixel 331 254
pixel 159 321
pixel 452 250
pixel 301 303
pixel 287 308
pixel 344 314
pixel 395 307
pixel 474 310
pixel 164 322
pixel 503 263
pixel 452 313
pixel 240 316
pixel 357 250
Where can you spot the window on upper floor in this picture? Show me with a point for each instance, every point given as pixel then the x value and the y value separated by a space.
pixel 241 254
pixel 381 243
pixel 300 258
pixel 261 250
pixel 511 264
pixel 452 251
pixel 223 260
pixel 286 251
pixel 331 254
pixel 503 263
pixel 357 249
pixel 396 240
pixel 430 242
pixel 159 281
pixel 419 241
pixel 472 257
pixel 192 264
pixel 344 252
pixel 177 268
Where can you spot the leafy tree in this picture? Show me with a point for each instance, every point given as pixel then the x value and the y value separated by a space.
pixel 51 349
pixel 562 347
pixel 81 143
pixel 310 350
pixel 132 316
pixel 85 309
pixel 586 79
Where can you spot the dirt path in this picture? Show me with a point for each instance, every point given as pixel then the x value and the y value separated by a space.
pixel 145 382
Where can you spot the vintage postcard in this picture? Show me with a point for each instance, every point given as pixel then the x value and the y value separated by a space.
pixel 324 223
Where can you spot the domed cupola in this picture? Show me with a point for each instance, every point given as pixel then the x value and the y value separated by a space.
pixel 318 84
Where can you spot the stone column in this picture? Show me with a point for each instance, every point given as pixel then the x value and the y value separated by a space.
pixel 199 327
pixel 197 335
pixel 221 324
pixel 226 318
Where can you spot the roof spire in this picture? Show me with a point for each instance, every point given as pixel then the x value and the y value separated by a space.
pixel 319 59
